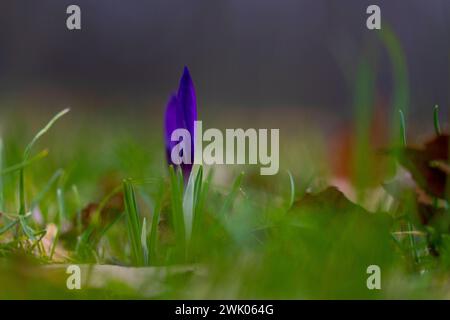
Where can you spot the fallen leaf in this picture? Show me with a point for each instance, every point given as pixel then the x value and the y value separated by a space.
pixel 112 208
pixel 331 199
pixel 421 163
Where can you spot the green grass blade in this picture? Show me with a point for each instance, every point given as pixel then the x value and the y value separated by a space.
pixel 24 164
pixel 412 240
pixel 292 193
pixel 43 131
pixel 8 226
pixel 28 231
pixel 189 202
pixel 155 222
pixel 76 194
pixel 363 101
pixel 133 221
pixel 45 189
pixel 54 244
pixel 402 127
pixel 199 198
pixel 229 200
pixel 144 242
pixel 22 208
pixel 198 185
pixel 401 90
pixel 61 207
pixel 177 206
pixel 437 127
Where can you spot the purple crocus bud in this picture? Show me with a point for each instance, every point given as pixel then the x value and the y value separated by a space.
pixel 181 112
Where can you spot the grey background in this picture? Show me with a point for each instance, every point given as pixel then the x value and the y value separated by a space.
pixel 241 53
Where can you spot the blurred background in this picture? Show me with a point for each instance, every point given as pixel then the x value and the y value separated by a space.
pixel 295 54
pixel 308 67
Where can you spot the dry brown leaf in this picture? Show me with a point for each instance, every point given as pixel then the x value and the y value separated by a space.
pixel 331 199
pixel 421 162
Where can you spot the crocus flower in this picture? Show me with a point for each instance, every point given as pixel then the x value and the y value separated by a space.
pixel 181 112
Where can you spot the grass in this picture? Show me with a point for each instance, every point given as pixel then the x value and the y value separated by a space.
pixel 241 240
pixel 101 195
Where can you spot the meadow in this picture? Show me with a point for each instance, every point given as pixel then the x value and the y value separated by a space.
pixel 96 191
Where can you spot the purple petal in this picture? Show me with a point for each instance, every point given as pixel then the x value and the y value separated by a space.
pixel 187 100
pixel 181 112
pixel 173 121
